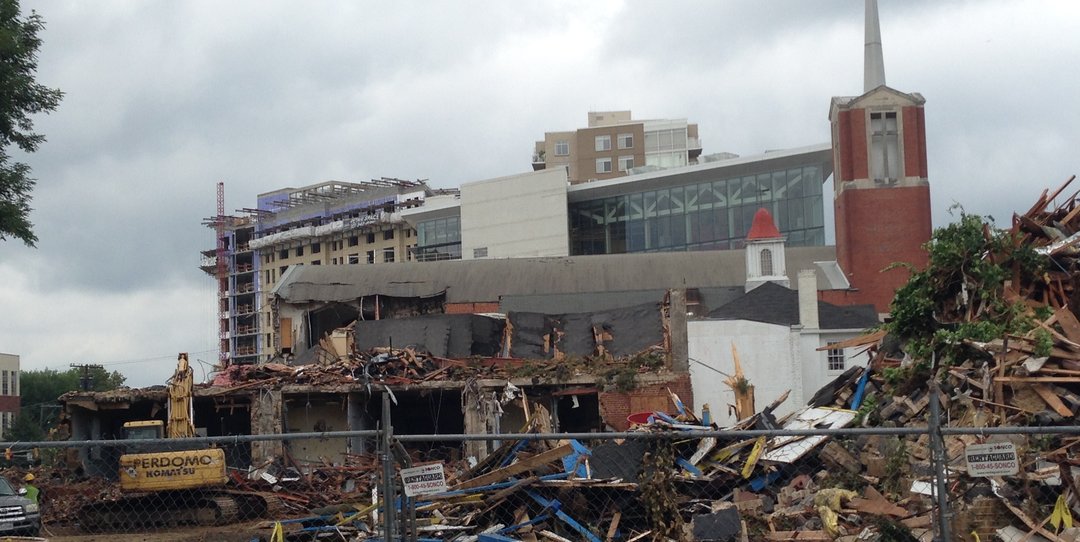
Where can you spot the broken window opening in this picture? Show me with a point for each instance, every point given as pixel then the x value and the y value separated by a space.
pixel 576 412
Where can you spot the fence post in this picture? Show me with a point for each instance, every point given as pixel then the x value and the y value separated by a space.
pixel 386 455
pixel 937 451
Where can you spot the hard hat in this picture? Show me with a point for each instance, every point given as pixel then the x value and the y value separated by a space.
pixel 29 477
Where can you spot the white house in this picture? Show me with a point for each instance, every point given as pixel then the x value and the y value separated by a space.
pixel 777 332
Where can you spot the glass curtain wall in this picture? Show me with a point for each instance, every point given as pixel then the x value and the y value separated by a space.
pixel 438 239
pixel 708 215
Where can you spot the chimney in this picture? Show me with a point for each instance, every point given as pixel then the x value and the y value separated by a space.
pixel 808 301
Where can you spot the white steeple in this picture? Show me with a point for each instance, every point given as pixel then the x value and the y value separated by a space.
pixel 764 252
pixel 873 61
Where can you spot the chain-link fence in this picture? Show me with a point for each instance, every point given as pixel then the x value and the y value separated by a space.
pixel 662 481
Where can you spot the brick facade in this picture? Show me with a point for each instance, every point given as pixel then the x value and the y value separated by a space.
pixel 615 406
pixel 9 403
pixel 472 308
pixel 852 155
pixel 876 228
pixel 914 141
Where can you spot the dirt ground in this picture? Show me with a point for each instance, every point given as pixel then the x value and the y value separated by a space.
pixel 241 532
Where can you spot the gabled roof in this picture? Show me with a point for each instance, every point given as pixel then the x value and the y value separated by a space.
pixel 771 303
pixel 875 97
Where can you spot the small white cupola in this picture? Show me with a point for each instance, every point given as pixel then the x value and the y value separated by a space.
pixel 764 253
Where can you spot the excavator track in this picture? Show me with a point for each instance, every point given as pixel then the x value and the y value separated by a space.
pixel 165 510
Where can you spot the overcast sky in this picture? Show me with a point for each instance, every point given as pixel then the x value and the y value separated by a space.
pixel 164 99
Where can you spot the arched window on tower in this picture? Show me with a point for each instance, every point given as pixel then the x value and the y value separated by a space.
pixel 766 262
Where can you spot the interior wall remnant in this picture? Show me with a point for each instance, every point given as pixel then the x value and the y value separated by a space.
pixel 316 413
pixel 474 421
pixel 357 419
pixel 616 332
pixel 381 307
pixel 266 419
pixel 443 335
pixel 513 418
pixel 677 310
pixel 615 406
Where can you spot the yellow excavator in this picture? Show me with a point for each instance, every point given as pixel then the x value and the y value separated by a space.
pixel 169 484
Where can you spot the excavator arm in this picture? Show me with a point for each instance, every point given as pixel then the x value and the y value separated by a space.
pixel 181 411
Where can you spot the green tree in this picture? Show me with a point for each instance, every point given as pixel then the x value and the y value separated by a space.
pixel 25 429
pixel 40 390
pixel 20 97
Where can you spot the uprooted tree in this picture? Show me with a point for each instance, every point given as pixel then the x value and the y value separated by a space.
pixel 984 283
pixel 20 97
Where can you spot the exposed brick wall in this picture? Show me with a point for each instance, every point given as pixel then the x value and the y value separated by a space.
pixel 615 406
pixel 876 228
pixel 914 142
pixel 9 403
pixel 472 308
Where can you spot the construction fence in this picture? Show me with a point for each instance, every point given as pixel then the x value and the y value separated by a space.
pixel 665 480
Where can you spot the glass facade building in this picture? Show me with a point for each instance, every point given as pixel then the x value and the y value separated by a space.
pixel 438 239
pixel 707 209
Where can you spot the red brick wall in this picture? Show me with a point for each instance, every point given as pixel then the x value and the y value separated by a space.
pixel 851 142
pixel 615 406
pixel 844 171
pixel 9 403
pixel 472 308
pixel 876 228
pixel 914 142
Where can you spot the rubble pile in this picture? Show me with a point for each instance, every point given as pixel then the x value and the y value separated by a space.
pixel 402 366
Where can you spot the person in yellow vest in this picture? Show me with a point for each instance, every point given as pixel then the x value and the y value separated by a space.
pixel 32 492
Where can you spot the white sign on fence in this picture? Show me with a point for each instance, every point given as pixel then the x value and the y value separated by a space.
pixel 424 480
pixel 992 459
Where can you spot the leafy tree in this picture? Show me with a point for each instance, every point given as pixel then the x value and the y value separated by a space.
pixel 20 97
pixel 40 389
pixel 25 428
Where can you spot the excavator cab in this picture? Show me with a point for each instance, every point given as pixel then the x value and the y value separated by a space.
pixel 148 429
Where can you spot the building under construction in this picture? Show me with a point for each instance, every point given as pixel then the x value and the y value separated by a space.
pixel 329 223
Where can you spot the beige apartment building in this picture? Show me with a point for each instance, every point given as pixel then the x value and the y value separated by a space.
pixel 614 144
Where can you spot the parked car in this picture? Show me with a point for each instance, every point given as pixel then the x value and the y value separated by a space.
pixel 18 515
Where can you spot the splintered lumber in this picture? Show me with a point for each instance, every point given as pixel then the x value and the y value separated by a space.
pixel 552 536
pixel 1052 400
pixel 1037 379
pixel 816 536
pixel 502 494
pixel 744 391
pixel 1068 322
pixel 521 466
pixel 614 526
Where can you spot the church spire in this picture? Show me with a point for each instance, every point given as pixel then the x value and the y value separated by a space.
pixel 873 61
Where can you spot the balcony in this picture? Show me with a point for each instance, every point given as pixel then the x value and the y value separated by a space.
pixel 538 161
pixel 693 148
pixel 246 330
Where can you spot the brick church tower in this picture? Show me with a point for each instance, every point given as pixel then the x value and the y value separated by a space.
pixel 882 198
